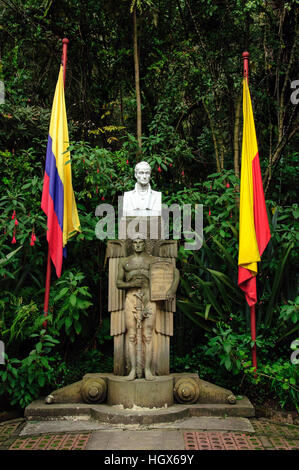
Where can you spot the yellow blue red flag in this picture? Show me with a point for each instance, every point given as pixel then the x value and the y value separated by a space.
pixel 58 200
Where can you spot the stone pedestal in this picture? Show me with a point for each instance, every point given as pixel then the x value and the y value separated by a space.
pixel 143 393
pixel 112 398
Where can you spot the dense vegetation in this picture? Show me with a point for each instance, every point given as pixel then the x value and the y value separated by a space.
pixel 183 89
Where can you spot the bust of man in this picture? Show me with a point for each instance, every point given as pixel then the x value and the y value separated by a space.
pixel 142 201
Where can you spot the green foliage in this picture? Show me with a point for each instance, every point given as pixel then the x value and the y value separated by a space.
pixel 275 377
pixel 231 348
pixel 70 304
pixel 26 320
pixel 280 377
pixel 24 380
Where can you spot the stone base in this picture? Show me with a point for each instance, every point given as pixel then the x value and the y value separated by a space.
pixel 39 411
pixel 157 393
pixel 163 390
pixel 164 399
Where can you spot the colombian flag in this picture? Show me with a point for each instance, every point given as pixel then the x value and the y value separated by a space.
pixel 58 201
pixel 254 232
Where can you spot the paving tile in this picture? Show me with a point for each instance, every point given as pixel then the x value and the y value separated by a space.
pixel 173 440
pixel 263 426
pixel 203 440
pixel 52 442
pixel 8 429
pixel 210 423
pixel 98 440
pixel 135 440
pixel 279 443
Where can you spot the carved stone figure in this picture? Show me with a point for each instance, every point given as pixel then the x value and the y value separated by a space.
pixel 142 201
pixel 141 326
pixel 139 308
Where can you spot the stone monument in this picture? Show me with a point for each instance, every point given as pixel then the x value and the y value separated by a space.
pixel 143 280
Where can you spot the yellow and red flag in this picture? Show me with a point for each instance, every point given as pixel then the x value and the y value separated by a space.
pixel 254 232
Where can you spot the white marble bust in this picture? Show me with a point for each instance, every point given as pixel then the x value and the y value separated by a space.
pixel 142 200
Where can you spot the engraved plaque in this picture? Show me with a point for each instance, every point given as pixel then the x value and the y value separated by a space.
pixel 161 278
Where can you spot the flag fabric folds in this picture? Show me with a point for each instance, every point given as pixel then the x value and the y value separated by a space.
pixel 254 232
pixel 58 200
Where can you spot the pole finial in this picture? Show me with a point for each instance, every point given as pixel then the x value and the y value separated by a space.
pixel 245 57
pixel 65 42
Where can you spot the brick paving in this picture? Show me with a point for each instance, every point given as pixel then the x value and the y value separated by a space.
pixel 267 436
pixel 52 442
pixel 205 440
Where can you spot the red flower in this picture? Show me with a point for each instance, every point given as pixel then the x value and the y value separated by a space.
pixel 103 199
pixel 227 185
pixel 127 162
pixel 13 215
pixel 183 173
pixel 13 241
pixel 98 171
pixel 16 222
pixel 170 164
pixel 159 169
pixel 211 187
pixel 210 212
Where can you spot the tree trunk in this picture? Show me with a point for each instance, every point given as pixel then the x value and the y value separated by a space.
pixel 213 136
pixel 137 81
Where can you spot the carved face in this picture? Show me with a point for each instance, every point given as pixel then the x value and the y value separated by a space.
pixel 143 173
pixel 138 245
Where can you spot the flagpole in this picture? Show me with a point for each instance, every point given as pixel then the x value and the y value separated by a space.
pixel 245 57
pixel 253 336
pixel 65 42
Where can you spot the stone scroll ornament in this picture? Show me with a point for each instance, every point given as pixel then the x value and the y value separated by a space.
pixel 164 251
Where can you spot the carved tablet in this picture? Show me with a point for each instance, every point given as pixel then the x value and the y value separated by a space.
pixel 161 279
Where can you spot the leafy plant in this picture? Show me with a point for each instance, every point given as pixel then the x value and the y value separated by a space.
pixel 279 377
pixel 231 348
pixel 23 380
pixel 71 303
